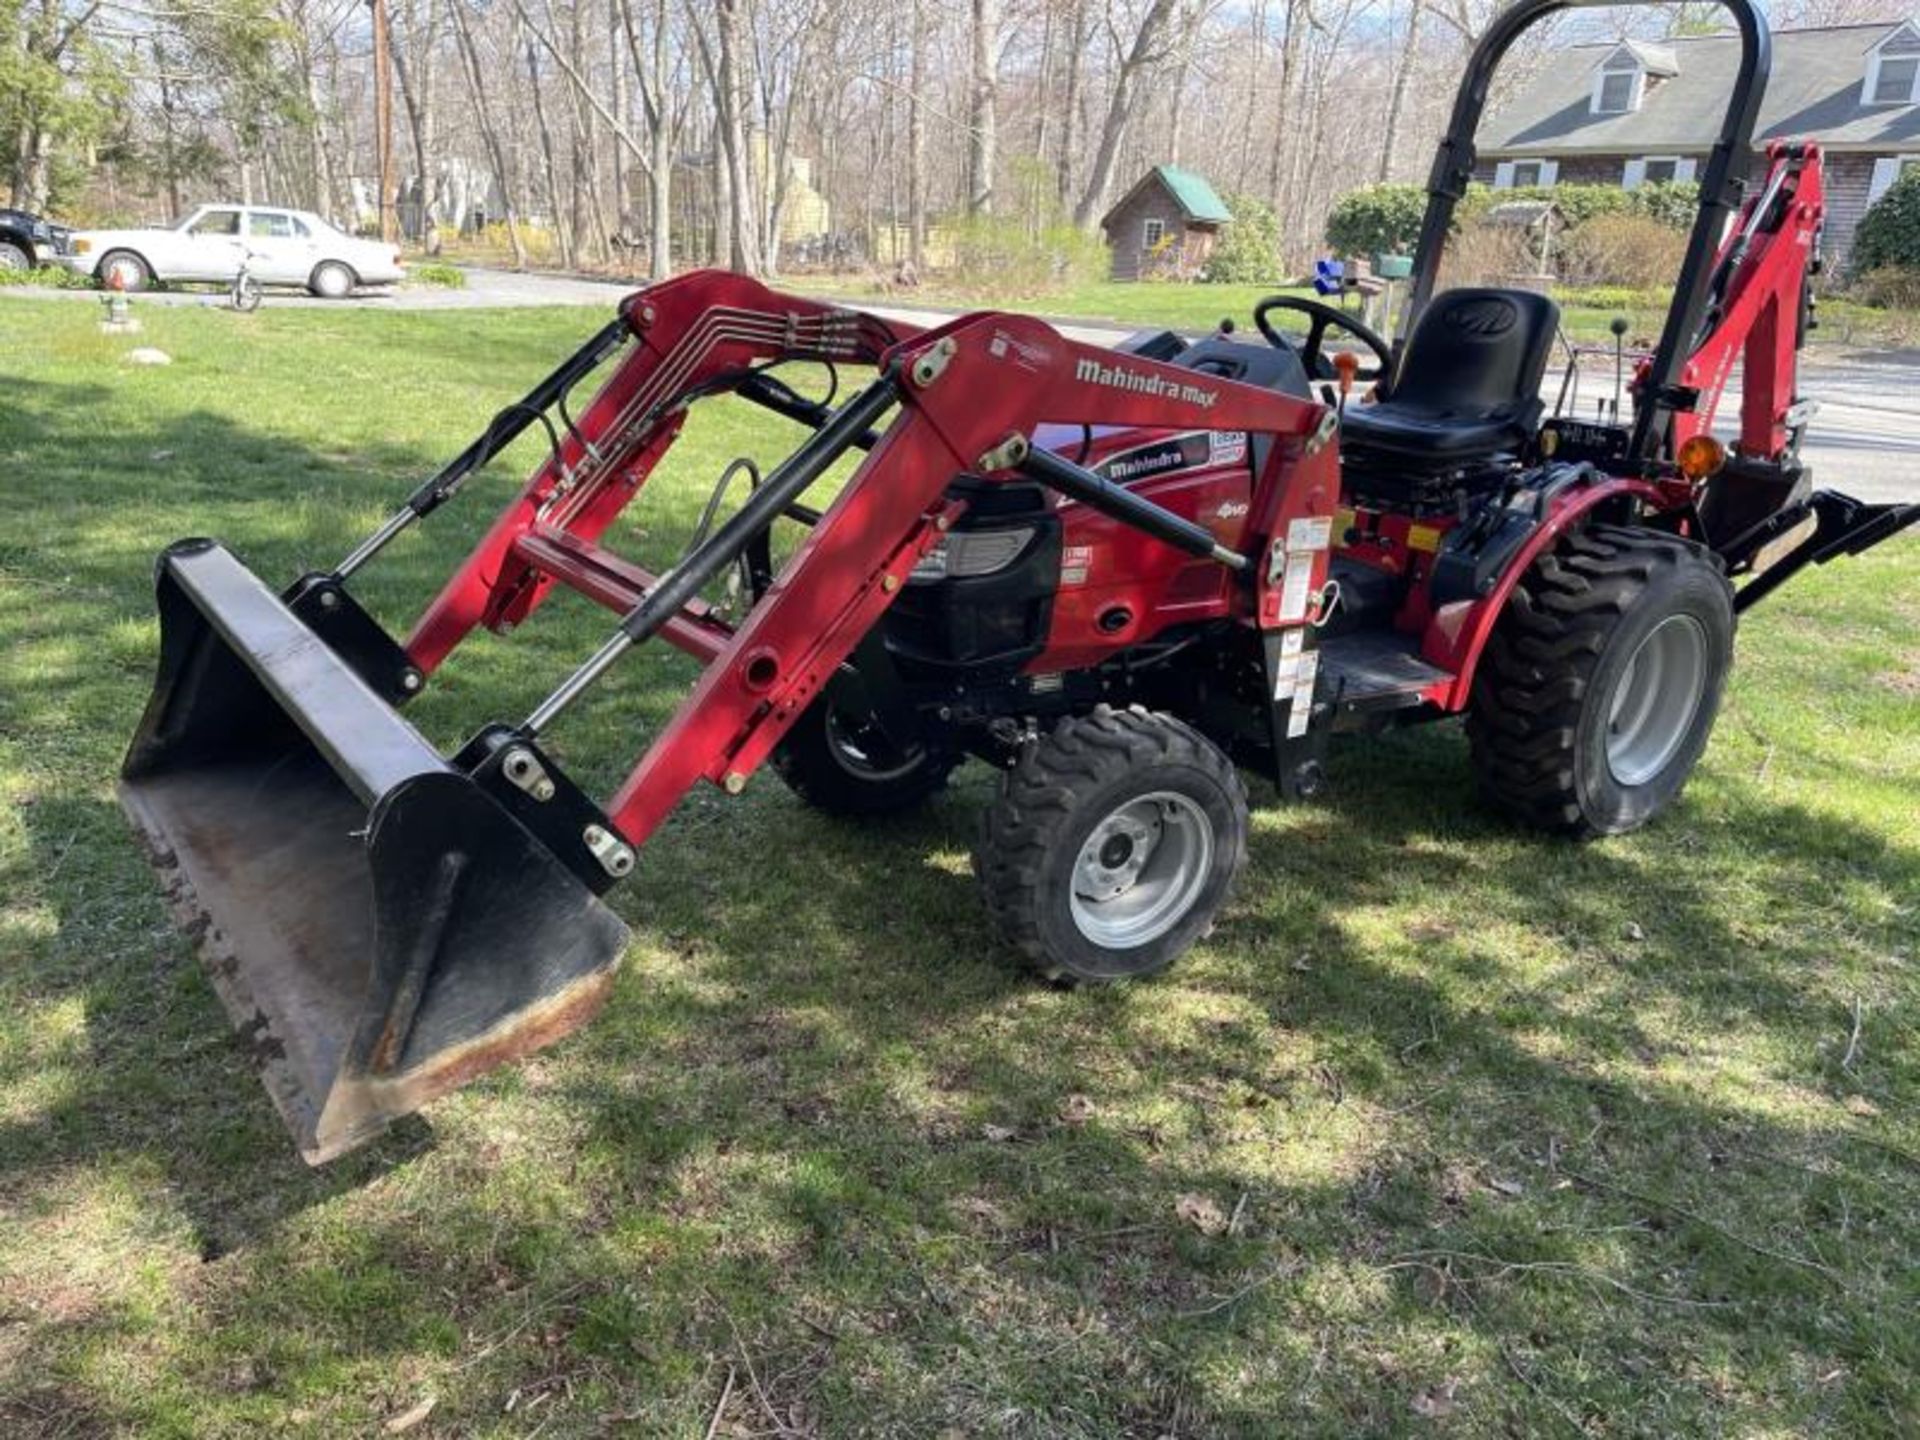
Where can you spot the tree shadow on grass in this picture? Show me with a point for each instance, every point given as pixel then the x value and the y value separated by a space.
pixel 828 1131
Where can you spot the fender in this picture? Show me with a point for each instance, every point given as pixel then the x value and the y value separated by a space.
pixel 1458 633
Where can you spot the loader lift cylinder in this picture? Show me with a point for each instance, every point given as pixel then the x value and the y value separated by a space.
pixel 791 479
pixel 508 426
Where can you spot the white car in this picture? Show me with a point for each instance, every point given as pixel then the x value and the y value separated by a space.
pixel 280 247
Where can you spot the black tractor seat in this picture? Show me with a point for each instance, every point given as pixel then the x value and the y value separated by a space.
pixel 1468 385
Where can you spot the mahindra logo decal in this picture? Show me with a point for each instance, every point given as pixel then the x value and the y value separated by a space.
pixel 1485 317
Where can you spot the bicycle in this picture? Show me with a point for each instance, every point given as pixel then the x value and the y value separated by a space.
pixel 245 293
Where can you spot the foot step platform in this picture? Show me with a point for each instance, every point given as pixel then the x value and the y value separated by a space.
pixel 1378 670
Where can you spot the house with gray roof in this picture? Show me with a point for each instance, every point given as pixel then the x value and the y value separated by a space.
pixel 1631 113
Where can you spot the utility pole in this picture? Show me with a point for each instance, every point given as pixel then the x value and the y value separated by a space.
pixel 383 120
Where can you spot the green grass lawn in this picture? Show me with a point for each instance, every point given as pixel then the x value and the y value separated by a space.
pixel 1448 1130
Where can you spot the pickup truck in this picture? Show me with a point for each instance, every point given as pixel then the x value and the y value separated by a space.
pixel 27 240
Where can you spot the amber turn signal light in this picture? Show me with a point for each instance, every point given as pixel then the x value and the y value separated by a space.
pixel 1701 457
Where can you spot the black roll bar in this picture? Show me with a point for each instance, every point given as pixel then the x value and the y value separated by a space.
pixel 1721 188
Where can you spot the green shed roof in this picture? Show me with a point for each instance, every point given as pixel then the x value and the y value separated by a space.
pixel 1195 195
pixel 1198 200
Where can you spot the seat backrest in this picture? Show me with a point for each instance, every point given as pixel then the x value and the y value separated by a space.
pixel 1477 354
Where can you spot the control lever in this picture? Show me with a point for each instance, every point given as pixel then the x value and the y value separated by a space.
pixel 1346 364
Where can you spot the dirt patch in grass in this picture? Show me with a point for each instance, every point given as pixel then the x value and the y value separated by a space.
pixel 1904 680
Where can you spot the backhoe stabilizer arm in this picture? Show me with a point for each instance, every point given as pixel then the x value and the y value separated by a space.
pixel 1825 526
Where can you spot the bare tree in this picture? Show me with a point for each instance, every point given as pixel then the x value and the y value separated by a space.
pixel 1146 51
pixel 1396 106
pixel 983 105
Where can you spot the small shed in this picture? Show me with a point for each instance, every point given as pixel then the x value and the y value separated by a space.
pixel 1165 225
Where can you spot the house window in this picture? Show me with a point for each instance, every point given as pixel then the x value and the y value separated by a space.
pixel 1657 170
pixel 1525 174
pixel 1892 80
pixel 1893 69
pixel 1152 233
pixel 1618 85
pixel 1888 170
pixel 1616 92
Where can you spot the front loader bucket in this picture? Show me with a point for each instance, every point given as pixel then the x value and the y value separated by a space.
pixel 380 928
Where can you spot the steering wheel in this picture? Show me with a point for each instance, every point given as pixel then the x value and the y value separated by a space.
pixel 1324 317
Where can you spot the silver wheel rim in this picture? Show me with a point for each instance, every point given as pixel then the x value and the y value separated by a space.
pixel 11 258
pixel 125 271
pixel 334 282
pixel 1656 700
pixel 1141 870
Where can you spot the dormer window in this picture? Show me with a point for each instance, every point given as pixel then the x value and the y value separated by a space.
pixel 1893 69
pixel 1627 75
pixel 1617 89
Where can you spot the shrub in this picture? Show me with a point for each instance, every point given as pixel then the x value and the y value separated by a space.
pixel 433 272
pixel 55 276
pixel 1012 256
pixel 1632 250
pixel 1889 233
pixel 1376 219
pixel 1673 203
pixel 1489 255
pixel 1890 287
pixel 1249 249
pixel 1387 217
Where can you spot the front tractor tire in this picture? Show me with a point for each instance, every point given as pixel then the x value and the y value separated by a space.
pixel 1598 690
pixel 1112 846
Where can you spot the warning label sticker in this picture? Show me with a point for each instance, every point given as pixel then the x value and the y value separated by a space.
pixel 1301 713
pixel 1295 587
pixel 1310 532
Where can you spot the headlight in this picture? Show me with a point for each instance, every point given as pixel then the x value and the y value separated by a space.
pixel 967 553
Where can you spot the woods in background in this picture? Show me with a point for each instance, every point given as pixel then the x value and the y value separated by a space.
pixel 750 133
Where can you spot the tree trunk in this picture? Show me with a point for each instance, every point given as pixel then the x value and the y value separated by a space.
pixel 562 229
pixel 1396 105
pixel 1289 58
pixel 743 233
pixel 1070 107
pixel 483 111
pixel 1146 51
pixel 917 141
pixel 983 106
pixel 622 117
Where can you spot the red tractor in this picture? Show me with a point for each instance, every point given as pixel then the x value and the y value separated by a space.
pixel 1118 575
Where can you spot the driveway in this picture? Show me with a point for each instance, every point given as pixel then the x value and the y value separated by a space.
pixel 1865 440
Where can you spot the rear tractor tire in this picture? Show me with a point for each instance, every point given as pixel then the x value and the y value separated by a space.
pixel 1113 845
pixel 846 765
pixel 1597 693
